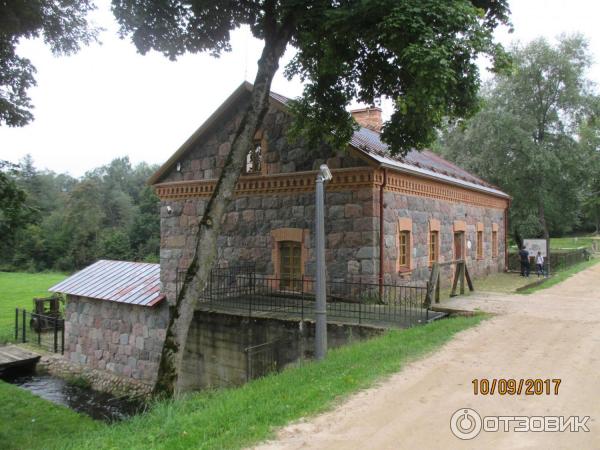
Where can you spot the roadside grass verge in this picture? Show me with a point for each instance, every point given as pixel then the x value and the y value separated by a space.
pixel 239 417
pixel 561 276
pixel 30 422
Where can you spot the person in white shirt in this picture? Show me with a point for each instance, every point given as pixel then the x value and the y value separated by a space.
pixel 539 264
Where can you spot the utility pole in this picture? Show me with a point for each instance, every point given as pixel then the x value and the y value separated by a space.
pixel 321 303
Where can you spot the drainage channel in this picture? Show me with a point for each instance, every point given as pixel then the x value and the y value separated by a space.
pixel 80 398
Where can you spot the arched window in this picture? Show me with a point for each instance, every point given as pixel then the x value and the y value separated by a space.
pixel 254 158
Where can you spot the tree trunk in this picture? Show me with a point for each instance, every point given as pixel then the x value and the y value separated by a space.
pixel 181 313
pixel 542 219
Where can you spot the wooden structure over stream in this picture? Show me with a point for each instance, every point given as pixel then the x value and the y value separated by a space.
pixel 14 357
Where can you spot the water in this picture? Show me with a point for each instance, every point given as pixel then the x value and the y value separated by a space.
pixel 97 405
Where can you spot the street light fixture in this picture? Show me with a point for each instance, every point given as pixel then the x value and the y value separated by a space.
pixel 321 303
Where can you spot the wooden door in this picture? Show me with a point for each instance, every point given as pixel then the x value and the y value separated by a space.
pixel 290 264
pixel 459 242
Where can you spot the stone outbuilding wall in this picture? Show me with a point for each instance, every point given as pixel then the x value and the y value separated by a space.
pixel 115 337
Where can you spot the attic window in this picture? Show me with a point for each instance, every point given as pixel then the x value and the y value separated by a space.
pixel 254 158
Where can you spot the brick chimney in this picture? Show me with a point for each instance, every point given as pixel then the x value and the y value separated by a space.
pixel 369 117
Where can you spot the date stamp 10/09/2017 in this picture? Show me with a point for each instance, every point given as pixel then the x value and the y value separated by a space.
pixel 512 386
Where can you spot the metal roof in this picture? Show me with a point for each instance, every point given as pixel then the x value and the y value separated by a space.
pixel 117 281
pixel 424 163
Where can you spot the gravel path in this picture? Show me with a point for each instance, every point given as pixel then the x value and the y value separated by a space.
pixel 554 333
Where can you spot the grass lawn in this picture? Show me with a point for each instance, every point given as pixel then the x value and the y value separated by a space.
pixel 570 242
pixel 30 422
pixel 17 290
pixel 236 417
pixel 564 243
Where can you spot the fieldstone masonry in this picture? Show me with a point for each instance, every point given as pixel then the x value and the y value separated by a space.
pixel 125 340
pixel 421 211
pixel 352 221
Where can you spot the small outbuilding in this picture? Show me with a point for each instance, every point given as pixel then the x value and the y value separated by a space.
pixel 115 318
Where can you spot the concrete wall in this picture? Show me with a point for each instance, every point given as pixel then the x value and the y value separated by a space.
pixel 215 356
pixel 122 339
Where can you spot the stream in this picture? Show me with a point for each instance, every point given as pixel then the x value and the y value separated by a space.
pixel 97 405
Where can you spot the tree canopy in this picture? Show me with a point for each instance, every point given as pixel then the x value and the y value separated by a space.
pixel 419 53
pixel 55 221
pixel 527 136
pixel 62 24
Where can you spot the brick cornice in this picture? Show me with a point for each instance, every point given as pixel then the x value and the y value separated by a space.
pixel 288 183
pixel 343 179
pixel 422 187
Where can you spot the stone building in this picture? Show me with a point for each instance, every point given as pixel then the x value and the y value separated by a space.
pixel 115 321
pixel 387 219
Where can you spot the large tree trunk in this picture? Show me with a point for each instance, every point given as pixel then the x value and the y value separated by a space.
pixel 542 219
pixel 181 313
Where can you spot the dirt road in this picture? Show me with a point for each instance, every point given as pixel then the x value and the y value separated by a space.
pixel 551 334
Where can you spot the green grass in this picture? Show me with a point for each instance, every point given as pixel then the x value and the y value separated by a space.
pixel 564 243
pixel 17 290
pixel 30 422
pixel 561 276
pixel 570 242
pixel 239 417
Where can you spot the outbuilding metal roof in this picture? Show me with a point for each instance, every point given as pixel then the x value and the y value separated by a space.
pixel 116 281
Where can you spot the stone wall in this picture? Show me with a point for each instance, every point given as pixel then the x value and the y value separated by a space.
pixel 351 227
pixel 122 339
pixel 253 221
pixel 99 380
pixel 280 154
pixel 421 210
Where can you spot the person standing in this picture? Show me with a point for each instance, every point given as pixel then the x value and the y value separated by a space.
pixel 524 258
pixel 539 264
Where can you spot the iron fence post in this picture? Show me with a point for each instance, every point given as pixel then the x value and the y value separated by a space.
pixel 62 338
pixel 16 324
pixel 360 294
pixel 24 331
pixel 250 305
pixel 247 365
pixel 55 335
pixel 302 299
pixel 38 331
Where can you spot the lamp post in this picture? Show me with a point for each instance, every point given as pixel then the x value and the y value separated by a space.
pixel 321 303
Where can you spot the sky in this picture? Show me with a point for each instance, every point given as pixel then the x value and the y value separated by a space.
pixel 108 101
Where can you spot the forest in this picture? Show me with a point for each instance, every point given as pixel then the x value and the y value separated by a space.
pixel 51 221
